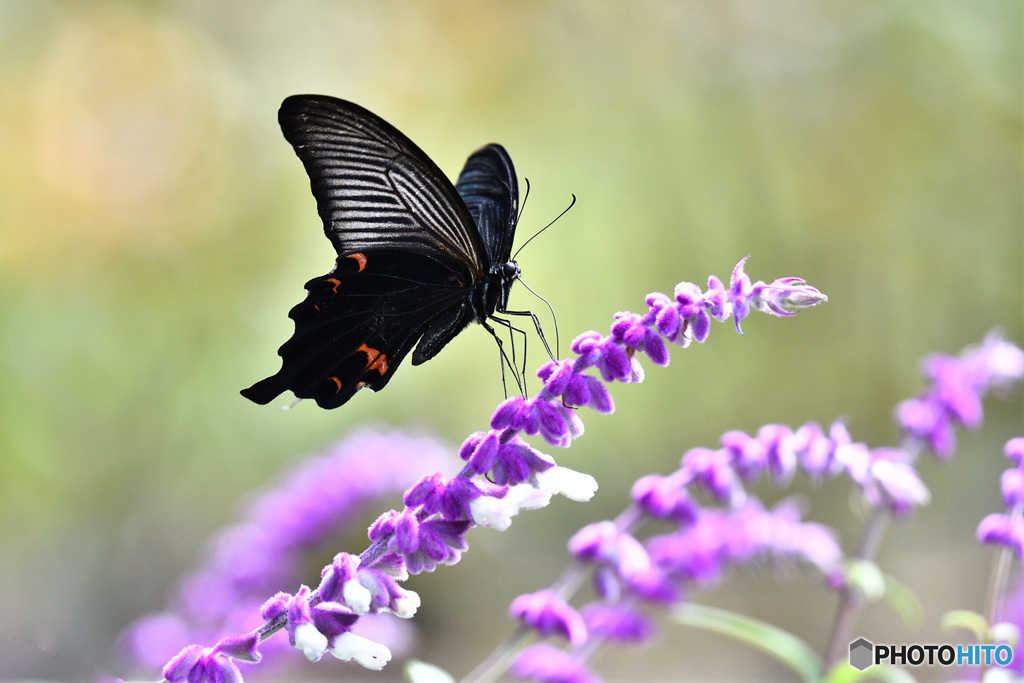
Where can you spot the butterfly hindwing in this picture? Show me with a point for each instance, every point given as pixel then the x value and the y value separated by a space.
pixel 374 187
pixel 357 324
pixel 489 187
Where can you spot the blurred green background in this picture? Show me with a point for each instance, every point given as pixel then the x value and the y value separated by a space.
pixel 155 228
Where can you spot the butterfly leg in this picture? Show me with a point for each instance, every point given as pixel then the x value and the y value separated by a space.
pixel 505 360
pixel 512 329
pixel 540 330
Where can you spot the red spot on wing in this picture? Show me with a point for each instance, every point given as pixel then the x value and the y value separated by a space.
pixel 336 283
pixel 360 259
pixel 375 360
pixel 336 381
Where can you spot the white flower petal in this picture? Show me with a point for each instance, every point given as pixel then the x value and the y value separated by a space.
pixel 363 651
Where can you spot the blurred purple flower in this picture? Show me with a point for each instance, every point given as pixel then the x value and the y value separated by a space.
pixel 548 614
pixel 545 662
pixel 319 497
pixel 958 386
pixel 1008 529
pixel 736 529
pixel 618 622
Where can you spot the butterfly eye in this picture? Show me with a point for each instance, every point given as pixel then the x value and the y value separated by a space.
pixel 510 271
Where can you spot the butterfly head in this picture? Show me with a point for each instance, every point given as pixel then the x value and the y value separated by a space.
pixel 510 271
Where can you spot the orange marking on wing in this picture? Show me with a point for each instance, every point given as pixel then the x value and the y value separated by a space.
pixel 375 360
pixel 360 259
pixel 336 282
pixel 336 381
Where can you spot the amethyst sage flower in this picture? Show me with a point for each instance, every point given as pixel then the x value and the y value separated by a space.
pixel 503 474
pixel 716 522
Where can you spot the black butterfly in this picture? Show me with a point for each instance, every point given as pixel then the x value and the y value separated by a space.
pixel 418 259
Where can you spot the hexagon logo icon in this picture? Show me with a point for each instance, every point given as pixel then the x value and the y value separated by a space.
pixel 861 652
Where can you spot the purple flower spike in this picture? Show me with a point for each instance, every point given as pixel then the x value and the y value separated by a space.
pixel 552 423
pixel 577 390
pixel 614 363
pixel 331 619
pixel 473 440
pixel 301 632
pixel 305 505
pixel 817 453
pixel 782 457
pixel 600 399
pixel 667 320
pixel 1013 487
pixel 1008 529
pixel 594 542
pixel 458 496
pixel 485 455
pixel 513 413
pixel 958 386
pixel 664 498
pixel 545 662
pixel 749 456
pixel 503 475
pixel 632 331
pixel 1015 450
pixel 690 300
pixel 517 460
pixel 617 622
pixel 1003 530
pixel 311 628
pixel 434 542
pixel 196 664
pixel 894 482
pixel 556 376
pixel 785 294
pixel 548 614
pixel 384 526
pixel 739 293
pixel 340 583
pixel 713 471
pixel 603 543
pixel 426 493
pixel 407 533
pixel 716 301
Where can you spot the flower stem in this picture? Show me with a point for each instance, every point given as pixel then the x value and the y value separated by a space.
pixel 851 599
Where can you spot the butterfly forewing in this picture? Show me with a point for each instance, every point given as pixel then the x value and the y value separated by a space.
pixel 374 187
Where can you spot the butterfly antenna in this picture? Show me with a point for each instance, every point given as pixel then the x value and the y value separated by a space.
pixel 526 195
pixel 564 211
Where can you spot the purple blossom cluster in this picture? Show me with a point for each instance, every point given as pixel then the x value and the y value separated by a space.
pixel 716 522
pixel 957 387
pixel 503 474
pixel 1007 529
pixel 731 528
pixel 247 561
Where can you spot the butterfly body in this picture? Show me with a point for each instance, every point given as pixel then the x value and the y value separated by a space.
pixel 418 258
